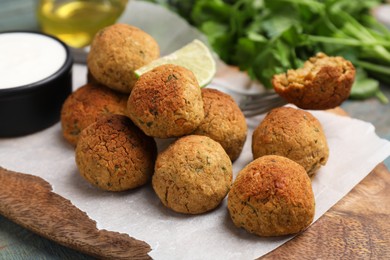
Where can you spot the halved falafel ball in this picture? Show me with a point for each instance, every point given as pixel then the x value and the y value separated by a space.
pixel 115 155
pixel 293 133
pixel 272 196
pixel 224 122
pixel 117 51
pixel 322 83
pixel 193 175
pixel 166 102
pixel 85 105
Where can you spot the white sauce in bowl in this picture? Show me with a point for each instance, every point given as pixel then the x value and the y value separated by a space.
pixel 27 58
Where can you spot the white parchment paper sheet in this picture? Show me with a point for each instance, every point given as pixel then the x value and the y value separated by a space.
pixel 355 150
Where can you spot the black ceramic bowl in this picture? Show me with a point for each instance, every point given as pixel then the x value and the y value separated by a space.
pixel 36 105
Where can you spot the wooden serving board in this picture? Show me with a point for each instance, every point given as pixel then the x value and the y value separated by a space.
pixel 356 227
pixel 28 200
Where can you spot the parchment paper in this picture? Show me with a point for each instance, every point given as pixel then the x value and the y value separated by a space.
pixel 355 150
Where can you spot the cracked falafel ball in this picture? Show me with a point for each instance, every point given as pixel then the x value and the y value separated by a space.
pixel 292 133
pixel 224 122
pixel 272 196
pixel 193 175
pixel 85 105
pixel 166 102
pixel 322 83
pixel 115 155
pixel 117 51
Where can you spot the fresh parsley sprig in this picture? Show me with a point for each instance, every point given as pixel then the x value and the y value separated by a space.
pixel 267 37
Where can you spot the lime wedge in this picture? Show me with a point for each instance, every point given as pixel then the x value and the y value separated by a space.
pixel 194 56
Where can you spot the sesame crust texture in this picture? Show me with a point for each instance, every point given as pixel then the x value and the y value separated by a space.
pixel 224 122
pixel 293 133
pixel 166 102
pixel 114 155
pixel 272 196
pixel 85 105
pixel 117 51
pixel 193 175
pixel 322 83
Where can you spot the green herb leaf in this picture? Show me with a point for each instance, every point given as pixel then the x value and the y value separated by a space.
pixel 267 37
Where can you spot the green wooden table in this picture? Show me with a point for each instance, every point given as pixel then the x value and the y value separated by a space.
pixel 19 243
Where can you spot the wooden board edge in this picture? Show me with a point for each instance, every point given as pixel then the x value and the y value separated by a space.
pixel 57 219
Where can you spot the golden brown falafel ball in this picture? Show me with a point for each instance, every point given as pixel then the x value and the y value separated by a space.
pixel 322 83
pixel 84 106
pixel 293 133
pixel 193 175
pixel 115 155
pixel 166 102
pixel 224 122
pixel 117 51
pixel 272 196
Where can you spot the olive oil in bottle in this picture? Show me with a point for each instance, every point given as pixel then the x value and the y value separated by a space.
pixel 76 21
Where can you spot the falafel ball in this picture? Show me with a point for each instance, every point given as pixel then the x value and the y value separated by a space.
pixel 85 105
pixel 272 196
pixel 193 175
pixel 293 133
pixel 117 51
pixel 224 122
pixel 166 102
pixel 322 83
pixel 115 155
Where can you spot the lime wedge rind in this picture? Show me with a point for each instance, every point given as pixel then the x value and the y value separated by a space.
pixel 194 56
